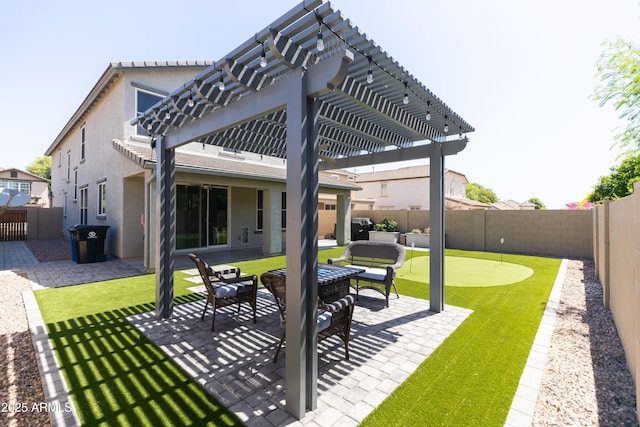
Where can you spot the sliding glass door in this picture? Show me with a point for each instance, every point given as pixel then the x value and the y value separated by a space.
pixel 214 211
pixel 201 216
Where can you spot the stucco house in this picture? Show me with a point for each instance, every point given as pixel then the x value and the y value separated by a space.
pixel 103 173
pixel 396 189
pixel 25 182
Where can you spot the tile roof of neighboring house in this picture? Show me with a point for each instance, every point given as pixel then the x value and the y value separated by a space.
pixel 211 165
pixel 113 72
pixel 468 202
pixel 421 171
pixel 511 205
pixel 33 176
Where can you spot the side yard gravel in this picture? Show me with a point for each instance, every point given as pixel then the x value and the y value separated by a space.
pixel 586 380
pixel 21 391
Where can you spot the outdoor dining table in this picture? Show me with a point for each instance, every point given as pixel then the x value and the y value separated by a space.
pixel 333 280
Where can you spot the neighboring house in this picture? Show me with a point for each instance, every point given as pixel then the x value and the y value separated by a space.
pixel 408 188
pixel 327 203
pixel 33 185
pixel 103 173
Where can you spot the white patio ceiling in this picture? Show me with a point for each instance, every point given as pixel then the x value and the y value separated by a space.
pixel 356 118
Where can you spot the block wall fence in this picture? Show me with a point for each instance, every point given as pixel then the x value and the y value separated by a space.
pixel 560 233
pixel 42 223
pixel 609 234
pixel 616 248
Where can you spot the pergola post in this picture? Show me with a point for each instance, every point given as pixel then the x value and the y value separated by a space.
pixel 301 370
pixel 436 203
pixel 343 219
pixel 165 209
pixel 327 99
pixel 272 221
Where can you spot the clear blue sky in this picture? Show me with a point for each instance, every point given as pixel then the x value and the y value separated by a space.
pixel 520 72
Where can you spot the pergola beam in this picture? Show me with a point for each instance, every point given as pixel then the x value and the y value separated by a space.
pixel 401 154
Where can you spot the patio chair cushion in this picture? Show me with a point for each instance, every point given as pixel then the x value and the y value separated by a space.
pixel 324 320
pixel 232 289
pixel 226 291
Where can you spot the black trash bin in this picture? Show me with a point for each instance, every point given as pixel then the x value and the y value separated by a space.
pixel 89 240
pixel 360 228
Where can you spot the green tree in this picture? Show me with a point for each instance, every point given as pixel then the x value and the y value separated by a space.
pixel 619 183
pixel 538 203
pixel 479 193
pixel 41 167
pixel 619 72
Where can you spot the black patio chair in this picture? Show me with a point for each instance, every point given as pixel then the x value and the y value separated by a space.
pixel 333 319
pixel 226 287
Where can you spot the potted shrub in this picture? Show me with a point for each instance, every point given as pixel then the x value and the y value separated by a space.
pixel 419 238
pixel 385 231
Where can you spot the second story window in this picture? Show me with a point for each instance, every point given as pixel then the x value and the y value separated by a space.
pixel 68 166
pixel 144 101
pixel 82 141
pixel 75 184
pixel 383 190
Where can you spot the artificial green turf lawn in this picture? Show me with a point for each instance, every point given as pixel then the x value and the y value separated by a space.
pixel 463 271
pixel 117 377
pixel 471 379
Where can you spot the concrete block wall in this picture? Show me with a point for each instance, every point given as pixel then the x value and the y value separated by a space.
pixel 326 223
pixel 561 233
pixel 44 223
pixel 617 257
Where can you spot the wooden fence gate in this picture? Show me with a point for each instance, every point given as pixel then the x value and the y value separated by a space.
pixel 13 225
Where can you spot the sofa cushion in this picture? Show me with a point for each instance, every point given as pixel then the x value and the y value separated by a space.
pixel 376 274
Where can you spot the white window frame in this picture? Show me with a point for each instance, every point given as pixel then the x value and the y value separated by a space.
pixel 23 187
pixel 259 210
pixel 75 184
pixel 82 143
pixel 102 199
pixel 139 130
pixel 84 205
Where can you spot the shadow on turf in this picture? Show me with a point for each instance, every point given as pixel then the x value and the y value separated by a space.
pixel 116 375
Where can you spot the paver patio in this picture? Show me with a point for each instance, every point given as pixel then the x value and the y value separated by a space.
pixel 234 363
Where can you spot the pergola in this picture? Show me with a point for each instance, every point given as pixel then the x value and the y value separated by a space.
pixel 312 89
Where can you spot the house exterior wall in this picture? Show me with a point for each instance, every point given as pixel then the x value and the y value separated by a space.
pixel 128 176
pixel 106 120
pixel 396 194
